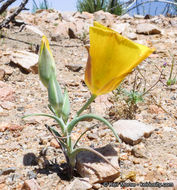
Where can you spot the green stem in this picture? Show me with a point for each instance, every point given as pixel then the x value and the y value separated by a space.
pixel 171 71
pixel 59 121
pixel 80 118
pixel 90 100
pixel 69 142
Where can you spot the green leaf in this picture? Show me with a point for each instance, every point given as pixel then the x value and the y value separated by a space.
pixel 57 136
pixel 55 95
pixel 58 120
pixel 66 106
pixel 80 118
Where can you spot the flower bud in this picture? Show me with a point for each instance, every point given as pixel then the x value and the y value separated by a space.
pixel 46 62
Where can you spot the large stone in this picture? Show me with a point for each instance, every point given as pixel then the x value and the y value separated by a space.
pixel 132 131
pixel 26 60
pixel 147 29
pixel 79 184
pixel 91 166
pixel 6 92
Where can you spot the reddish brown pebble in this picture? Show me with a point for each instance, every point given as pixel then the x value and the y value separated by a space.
pixel 2 74
pixel 54 143
pixel 10 127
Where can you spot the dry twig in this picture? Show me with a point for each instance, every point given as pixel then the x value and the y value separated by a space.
pixel 6 21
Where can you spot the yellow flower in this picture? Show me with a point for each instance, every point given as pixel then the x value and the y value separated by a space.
pixel 46 62
pixel 111 57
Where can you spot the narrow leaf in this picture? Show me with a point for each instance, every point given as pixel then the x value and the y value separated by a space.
pixel 66 106
pixel 55 95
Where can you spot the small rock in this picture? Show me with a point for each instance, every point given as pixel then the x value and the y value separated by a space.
pixel 138 16
pixel 7 105
pixel 147 16
pixel 3 126
pixel 2 74
pixel 14 127
pixel 74 68
pixel 10 127
pixel 31 175
pixel 1 111
pixel 12 178
pixel 132 131
pixel 9 71
pixel 131 36
pixel 26 60
pixel 92 136
pixel 54 143
pixel 96 186
pixel 6 92
pixel 83 15
pixel 139 151
pixel 31 185
pixel 7 171
pixel 147 29
pixel 30 159
pixel 173 23
pixel 153 109
pixel 121 28
pixel 68 16
pixel 125 17
pixel 79 184
pixel 95 168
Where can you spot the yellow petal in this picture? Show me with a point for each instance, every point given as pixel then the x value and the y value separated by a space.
pixel 45 42
pixel 111 58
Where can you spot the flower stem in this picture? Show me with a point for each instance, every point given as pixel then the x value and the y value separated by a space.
pixel 89 101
